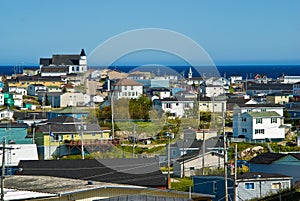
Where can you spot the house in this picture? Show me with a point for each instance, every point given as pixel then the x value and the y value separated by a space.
pixel 195 162
pixel 213 104
pixel 29 118
pixel 280 163
pixel 176 106
pixel 259 122
pixel 127 171
pixel 29 187
pixel 287 79
pixel 278 98
pixel 18 90
pixel 126 88
pixel 161 92
pixel 260 126
pixel 60 64
pixel 269 88
pixel 15 153
pixel 6 114
pixel 34 89
pixel 31 71
pixel 296 89
pixel 249 185
pixel 63 135
pixel 60 99
pixel 15 133
pixel 235 79
pixel 212 90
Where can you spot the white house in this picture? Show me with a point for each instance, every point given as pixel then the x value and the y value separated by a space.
pixel 59 99
pixel 161 92
pixel 212 90
pixel 214 104
pixel 126 88
pixel 18 152
pixel 18 90
pixel 191 164
pixel 177 107
pixel 18 100
pixel 6 114
pixel 259 122
pixel 235 78
pixel 34 89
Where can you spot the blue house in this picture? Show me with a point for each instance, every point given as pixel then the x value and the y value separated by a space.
pixel 15 133
pixel 249 185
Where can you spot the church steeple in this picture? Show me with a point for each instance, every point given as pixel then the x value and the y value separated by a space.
pixel 190 75
pixel 82 53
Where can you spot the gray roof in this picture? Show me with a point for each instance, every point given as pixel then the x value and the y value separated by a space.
pixel 131 171
pixel 55 69
pixel 72 59
pixel 268 158
pixel 50 184
pixel 275 86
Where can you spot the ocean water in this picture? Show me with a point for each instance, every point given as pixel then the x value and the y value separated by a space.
pixel 247 71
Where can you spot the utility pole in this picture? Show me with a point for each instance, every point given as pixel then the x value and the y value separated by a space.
pixel 133 140
pixel 235 173
pixel 33 128
pixel 203 150
pixel 169 178
pixel 81 133
pixel 225 155
pixel 3 170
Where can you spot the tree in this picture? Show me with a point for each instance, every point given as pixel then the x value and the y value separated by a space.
pixel 47 102
pixel 139 108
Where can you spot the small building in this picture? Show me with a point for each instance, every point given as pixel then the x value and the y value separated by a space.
pixel 279 163
pixel 6 114
pixel 15 133
pixel 278 98
pixel 29 187
pixel 192 163
pixel 249 185
pixel 126 88
pixel 34 89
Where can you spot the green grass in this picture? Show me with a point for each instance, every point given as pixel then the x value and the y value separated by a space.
pixel 183 184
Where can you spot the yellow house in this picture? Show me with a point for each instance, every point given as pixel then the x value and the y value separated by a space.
pixel 63 135
pixel 277 98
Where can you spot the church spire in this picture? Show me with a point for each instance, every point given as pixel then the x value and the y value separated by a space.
pixel 190 75
pixel 82 53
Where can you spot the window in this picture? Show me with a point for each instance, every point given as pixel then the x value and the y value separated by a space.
pixel 276 185
pixel 249 186
pixel 263 110
pixel 244 130
pixel 259 121
pixel 129 93
pixel 273 120
pixel 244 119
pixel 215 188
pixel 77 68
pixel 131 87
pixel 192 168
pixel 259 131
pixel 168 105
pixel 125 87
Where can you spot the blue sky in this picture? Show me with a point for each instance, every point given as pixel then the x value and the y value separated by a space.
pixel 231 32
